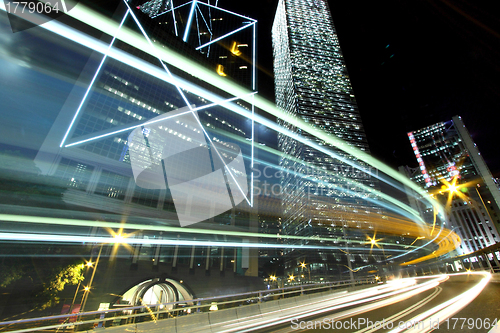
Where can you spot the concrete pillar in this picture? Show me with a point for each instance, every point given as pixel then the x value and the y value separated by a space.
pixel 191 260
pixel 485 256
pixel 464 265
pixel 176 252
pixel 479 262
pixel 235 259
pixel 156 257
pixel 221 266
pixel 495 259
pixel 137 250
pixel 207 259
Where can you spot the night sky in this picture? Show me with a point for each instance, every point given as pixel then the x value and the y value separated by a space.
pixel 412 64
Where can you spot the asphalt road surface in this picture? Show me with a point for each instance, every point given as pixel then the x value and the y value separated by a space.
pixel 480 313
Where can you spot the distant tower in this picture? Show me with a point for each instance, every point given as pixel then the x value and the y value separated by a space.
pixel 450 165
pixel 312 83
pixel 154 7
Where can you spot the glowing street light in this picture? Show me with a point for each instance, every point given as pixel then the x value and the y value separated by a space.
pixel 87 288
pixel 373 241
pixel 453 189
pixel 119 238
pixel 304 265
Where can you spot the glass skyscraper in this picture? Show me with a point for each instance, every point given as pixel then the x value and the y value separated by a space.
pixel 93 163
pixel 450 165
pixel 312 83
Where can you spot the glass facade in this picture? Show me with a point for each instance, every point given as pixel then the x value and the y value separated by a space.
pixel 123 95
pixel 312 83
pixel 93 164
pixel 452 169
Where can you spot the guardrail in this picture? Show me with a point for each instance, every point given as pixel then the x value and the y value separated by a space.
pixel 483 259
pixel 144 313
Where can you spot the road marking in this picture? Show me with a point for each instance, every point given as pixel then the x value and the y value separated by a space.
pixel 406 311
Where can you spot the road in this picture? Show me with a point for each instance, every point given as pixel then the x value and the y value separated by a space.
pixel 416 307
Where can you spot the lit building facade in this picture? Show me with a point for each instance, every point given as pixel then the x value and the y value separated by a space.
pixel 95 167
pixel 450 165
pixel 312 83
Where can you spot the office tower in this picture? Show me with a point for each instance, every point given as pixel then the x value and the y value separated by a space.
pixel 88 146
pixel 312 83
pixel 453 170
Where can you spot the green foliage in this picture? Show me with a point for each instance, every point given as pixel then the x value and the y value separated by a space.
pixel 12 274
pixel 71 274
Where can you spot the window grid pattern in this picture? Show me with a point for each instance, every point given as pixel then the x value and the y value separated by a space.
pixel 312 83
pixel 76 175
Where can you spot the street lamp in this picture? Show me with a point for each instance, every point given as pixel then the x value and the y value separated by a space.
pixel 76 292
pixel 304 265
pixel 87 288
pixel 119 238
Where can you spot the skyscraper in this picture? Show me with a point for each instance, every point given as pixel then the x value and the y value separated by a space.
pixel 89 144
pixel 312 83
pixel 452 168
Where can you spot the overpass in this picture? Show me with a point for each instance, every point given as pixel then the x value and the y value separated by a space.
pixel 421 302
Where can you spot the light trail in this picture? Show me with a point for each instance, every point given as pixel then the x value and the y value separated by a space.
pixel 392 293
pixel 399 207
pixel 445 310
pixel 190 231
pixel 390 226
pixel 104 24
pixel 406 311
pixel 134 39
pixel 348 303
pixel 131 38
pixel 91 84
pixel 51 238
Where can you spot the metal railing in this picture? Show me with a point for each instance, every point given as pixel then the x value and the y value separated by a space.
pixel 483 259
pixel 143 313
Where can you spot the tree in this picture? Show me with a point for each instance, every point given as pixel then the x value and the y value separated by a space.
pixel 9 275
pixel 48 297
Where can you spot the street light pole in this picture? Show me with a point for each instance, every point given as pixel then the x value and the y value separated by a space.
pixel 74 297
pixel 87 289
pixel 304 265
